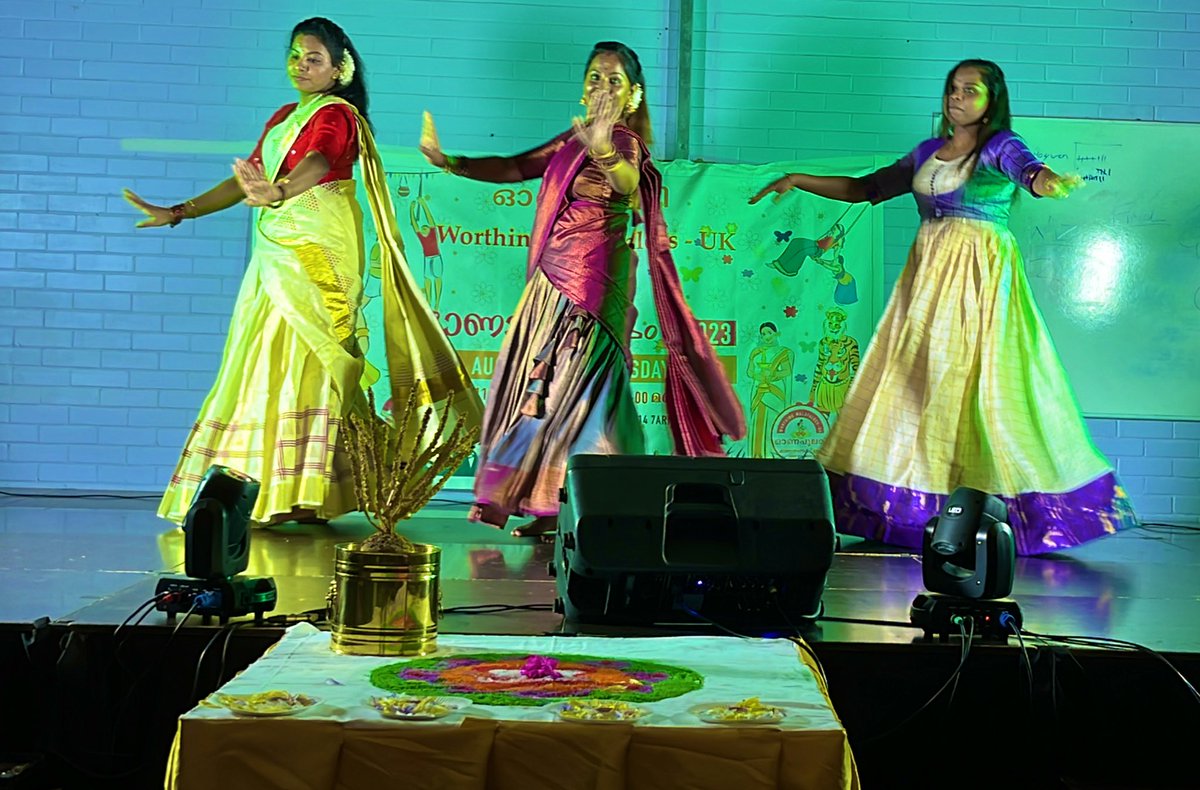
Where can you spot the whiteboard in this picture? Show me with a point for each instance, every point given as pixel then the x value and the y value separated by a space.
pixel 1115 268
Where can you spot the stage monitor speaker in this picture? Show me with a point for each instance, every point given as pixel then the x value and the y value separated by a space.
pixel 655 540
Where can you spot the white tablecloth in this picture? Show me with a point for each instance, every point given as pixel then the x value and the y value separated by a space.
pixel 344 743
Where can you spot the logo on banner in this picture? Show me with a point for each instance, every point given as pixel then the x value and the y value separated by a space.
pixel 799 431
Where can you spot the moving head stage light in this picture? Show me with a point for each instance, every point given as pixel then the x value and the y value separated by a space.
pixel 216 549
pixel 968 562
pixel 659 540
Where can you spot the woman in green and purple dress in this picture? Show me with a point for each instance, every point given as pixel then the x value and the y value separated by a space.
pixel 961 385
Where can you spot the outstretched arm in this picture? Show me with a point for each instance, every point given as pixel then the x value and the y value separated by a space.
pixel 495 169
pixel 883 184
pixel 222 196
pixel 850 190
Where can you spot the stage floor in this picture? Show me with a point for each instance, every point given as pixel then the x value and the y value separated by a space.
pixel 91 561
pixel 85 564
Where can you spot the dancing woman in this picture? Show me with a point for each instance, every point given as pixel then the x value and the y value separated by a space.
pixel 561 383
pixel 291 369
pixel 961 385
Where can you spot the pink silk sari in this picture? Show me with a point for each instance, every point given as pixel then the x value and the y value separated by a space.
pixel 700 403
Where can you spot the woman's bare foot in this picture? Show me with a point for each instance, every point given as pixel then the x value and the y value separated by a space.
pixel 542 528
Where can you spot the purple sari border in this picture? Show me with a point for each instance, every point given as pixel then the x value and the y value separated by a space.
pixel 1041 522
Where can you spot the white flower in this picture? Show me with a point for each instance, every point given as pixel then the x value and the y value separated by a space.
pixel 347 69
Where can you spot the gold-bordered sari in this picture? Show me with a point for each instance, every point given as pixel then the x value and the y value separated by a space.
pixel 292 365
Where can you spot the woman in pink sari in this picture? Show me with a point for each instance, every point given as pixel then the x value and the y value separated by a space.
pixel 561 384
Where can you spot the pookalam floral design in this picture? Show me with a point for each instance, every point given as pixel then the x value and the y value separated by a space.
pixel 524 679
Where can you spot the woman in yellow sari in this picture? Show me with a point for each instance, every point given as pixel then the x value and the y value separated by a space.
pixel 292 365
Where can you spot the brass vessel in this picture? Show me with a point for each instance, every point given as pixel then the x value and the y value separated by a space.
pixel 384 603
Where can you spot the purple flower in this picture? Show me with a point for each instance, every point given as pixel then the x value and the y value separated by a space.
pixel 541 667
pixel 649 676
pixel 428 675
pixel 451 663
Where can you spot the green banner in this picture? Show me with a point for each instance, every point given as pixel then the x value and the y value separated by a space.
pixel 788 291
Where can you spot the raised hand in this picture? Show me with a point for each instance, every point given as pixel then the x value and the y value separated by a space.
pixel 156 216
pixel 258 190
pixel 595 132
pixel 778 186
pixel 430 146
pixel 1062 185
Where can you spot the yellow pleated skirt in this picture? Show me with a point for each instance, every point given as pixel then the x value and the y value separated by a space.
pixel 961 387
pixel 273 414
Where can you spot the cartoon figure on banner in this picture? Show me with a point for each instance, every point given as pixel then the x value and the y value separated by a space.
pixel 370 375
pixel 371 285
pixel 373 269
pixel 800 248
pixel 825 252
pixel 770 369
pixel 837 362
pixel 424 225
pixel 845 291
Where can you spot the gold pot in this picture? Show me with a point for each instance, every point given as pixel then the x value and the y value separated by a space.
pixel 383 603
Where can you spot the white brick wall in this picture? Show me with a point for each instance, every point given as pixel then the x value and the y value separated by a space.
pixel 110 338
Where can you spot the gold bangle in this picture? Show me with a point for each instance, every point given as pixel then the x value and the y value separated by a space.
pixel 454 165
pixel 282 194
pixel 616 163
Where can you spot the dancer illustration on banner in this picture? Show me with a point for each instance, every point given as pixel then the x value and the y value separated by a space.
pixel 770 369
pixel 372 288
pixel 837 362
pixel 825 251
pixel 424 225
pixel 801 248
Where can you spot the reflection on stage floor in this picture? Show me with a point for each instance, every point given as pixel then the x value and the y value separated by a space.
pixel 92 560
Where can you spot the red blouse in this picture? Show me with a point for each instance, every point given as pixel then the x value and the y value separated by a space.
pixel 332 130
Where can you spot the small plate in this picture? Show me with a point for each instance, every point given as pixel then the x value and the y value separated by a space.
pixel 264 703
pixel 403 707
pixel 599 711
pixel 747 712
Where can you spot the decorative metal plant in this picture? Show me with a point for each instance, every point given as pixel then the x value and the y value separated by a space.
pixel 395 472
